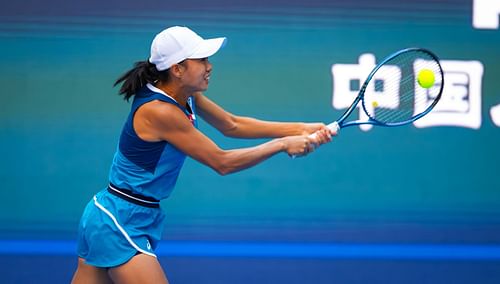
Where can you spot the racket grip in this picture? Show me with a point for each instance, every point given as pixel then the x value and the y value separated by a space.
pixel 334 126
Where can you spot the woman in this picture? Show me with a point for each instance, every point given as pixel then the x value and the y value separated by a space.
pixel 122 225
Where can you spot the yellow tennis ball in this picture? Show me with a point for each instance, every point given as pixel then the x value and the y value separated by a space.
pixel 426 78
pixel 375 104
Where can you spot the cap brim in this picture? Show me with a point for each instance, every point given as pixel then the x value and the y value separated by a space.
pixel 208 47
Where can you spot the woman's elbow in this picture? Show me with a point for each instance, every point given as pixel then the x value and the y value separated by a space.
pixel 230 130
pixel 223 170
pixel 220 163
pixel 230 126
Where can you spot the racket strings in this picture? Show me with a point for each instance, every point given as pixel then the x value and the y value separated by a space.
pixel 401 98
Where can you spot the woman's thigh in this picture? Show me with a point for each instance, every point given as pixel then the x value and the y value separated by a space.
pixel 141 269
pixel 88 274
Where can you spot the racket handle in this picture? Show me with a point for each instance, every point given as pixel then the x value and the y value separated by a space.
pixel 334 126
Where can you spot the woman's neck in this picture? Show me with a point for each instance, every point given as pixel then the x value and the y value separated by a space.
pixel 173 91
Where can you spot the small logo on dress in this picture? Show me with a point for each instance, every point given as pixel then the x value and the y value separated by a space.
pixel 148 245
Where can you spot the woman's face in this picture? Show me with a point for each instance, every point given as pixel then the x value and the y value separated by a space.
pixel 196 74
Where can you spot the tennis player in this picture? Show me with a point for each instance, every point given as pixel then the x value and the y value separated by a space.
pixel 122 224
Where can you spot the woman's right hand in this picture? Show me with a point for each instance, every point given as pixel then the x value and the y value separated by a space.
pixel 298 146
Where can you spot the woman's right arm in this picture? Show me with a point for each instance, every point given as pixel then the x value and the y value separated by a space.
pixel 156 121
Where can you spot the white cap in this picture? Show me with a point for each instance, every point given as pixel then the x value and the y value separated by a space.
pixel 176 44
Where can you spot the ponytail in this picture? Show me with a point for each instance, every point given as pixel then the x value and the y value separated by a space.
pixel 142 73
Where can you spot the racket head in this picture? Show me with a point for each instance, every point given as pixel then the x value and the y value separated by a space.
pixel 392 94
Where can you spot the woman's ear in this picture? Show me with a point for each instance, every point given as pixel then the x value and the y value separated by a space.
pixel 177 70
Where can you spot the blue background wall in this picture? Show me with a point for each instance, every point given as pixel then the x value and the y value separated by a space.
pixel 406 205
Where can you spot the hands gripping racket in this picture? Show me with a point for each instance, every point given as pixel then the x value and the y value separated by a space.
pixel 402 88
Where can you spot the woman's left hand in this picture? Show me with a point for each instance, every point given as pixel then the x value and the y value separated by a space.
pixel 319 133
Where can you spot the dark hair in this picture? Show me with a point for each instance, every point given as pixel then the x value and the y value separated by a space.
pixel 142 73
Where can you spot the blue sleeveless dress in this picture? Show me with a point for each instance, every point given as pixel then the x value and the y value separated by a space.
pixel 125 218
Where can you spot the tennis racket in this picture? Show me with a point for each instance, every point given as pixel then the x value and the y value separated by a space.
pixel 402 88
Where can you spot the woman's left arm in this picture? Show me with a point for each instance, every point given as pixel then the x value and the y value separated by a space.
pixel 246 127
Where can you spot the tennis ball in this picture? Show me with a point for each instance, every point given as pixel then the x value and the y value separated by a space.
pixel 375 104
pixel 426 78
